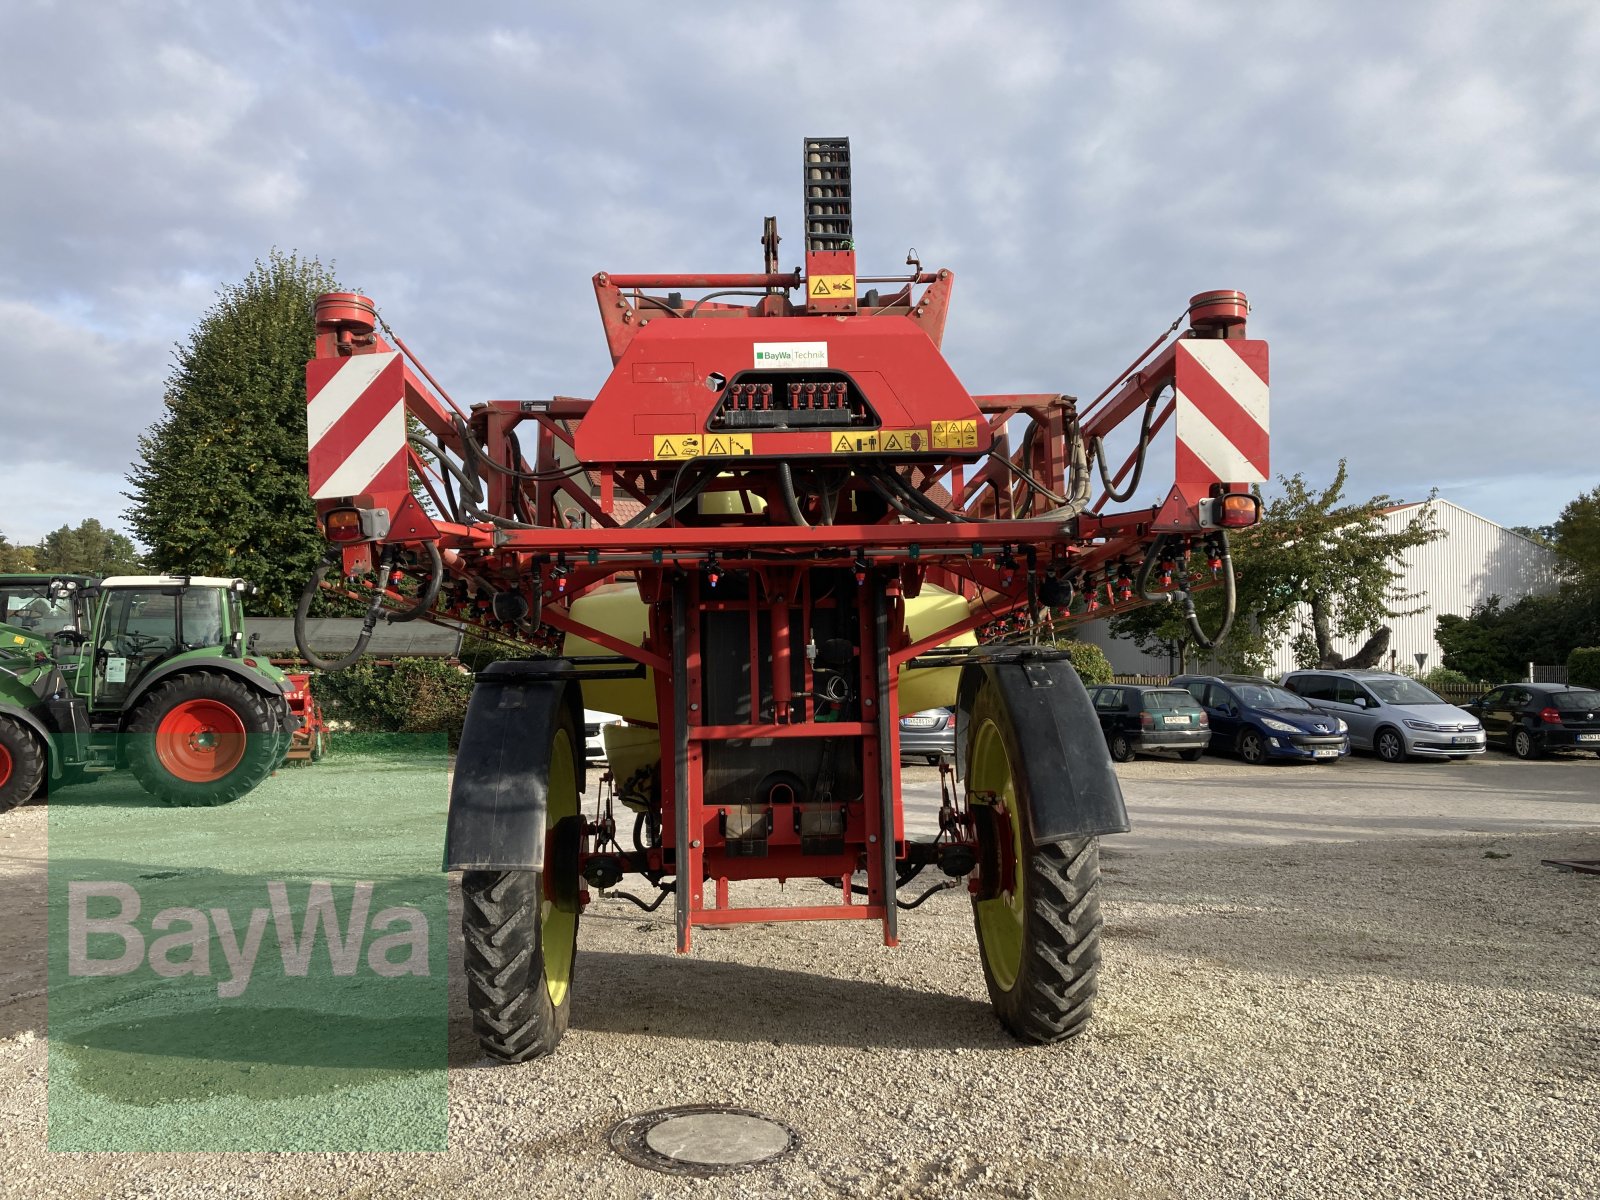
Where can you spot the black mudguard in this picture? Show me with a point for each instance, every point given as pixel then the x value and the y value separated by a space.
pixel 1056 728
pixel 500 793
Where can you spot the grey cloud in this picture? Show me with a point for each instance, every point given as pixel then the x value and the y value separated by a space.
pixel 1408 195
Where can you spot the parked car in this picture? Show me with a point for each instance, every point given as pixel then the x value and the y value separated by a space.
pixel 1391 715
pixel 594 742
pixel 1260 721
pixel 928 736
pixel 1531 719
pixel 1153 720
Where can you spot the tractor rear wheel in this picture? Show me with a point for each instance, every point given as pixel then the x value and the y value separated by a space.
pixel 22 764
pixel 203 739
pixel 1037 911
pixel 520 929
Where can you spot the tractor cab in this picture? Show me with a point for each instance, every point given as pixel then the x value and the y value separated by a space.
pixel 44 607
pixel 145 620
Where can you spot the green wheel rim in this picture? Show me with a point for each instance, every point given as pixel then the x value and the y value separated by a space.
pixel 558 931
pixel 1000 920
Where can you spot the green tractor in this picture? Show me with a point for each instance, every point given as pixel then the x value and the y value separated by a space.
pixel 148 672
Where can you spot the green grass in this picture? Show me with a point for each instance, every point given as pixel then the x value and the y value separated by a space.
pixel 327 1059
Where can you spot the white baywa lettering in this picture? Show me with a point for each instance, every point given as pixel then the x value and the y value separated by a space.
pixel 80 925
pixel 414 938
pixel 197 937
pixel 241 960
pixel 184 947
pixel 344 946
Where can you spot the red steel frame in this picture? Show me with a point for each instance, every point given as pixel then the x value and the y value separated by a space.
pixel 991 553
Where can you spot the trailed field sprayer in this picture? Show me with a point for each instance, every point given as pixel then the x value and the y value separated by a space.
pixel 781 521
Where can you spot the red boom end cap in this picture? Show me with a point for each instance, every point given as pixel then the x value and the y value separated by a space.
pixel 1218 310
pixel 346 310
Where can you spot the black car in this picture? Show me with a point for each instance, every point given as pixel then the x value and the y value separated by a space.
pixel 1136 718
pixel 1531 719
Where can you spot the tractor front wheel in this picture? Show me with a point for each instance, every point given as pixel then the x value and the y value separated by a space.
pixel 520 930
pixel 22 764
pixel 203 739
pixel 1037 910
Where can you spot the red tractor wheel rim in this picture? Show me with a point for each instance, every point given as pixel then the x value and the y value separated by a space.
pixel 200 741
pixel 5 766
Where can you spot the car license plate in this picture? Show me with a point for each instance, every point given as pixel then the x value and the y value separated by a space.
pixel 1178 720
pixel 1464 739
pixel 920 722
pixel 1589 737
pixel 1324 754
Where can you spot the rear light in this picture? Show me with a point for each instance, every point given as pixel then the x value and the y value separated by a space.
pixel 1550 716
pixel 1238 510
pixel 346 525
pixel 1146 720
pixel 1205 717
pixel 950 721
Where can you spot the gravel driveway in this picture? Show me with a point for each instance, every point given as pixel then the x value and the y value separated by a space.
pixel 1354 980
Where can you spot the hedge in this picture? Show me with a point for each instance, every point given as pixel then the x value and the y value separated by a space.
pixel 407 695
pixel 1088 660
pixel 1583 667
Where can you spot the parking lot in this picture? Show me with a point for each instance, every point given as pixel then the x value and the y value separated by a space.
pixel 1343 980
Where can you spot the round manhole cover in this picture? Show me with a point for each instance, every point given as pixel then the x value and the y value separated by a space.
pixel 702 1140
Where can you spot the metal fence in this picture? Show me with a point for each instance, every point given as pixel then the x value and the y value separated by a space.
pixel 1538 673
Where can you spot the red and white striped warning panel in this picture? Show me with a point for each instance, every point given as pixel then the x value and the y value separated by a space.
pixel 1221 414
pixel 356 425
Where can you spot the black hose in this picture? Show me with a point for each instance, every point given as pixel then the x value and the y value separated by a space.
pixel 430 593
pixel 302 609
pixel 790 500
pixel 1230 594
pixel 1138 462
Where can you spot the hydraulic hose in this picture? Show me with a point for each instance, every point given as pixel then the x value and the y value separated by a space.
pixel 791 501
pixel 1230 597
pixel 1138 462
pixel 303 608
pixel 430 591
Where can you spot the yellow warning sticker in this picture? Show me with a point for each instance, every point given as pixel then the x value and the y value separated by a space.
pixel 19 641
pixel 727 444
pixel 903 441
pixel 955 435
pixel 677 445
pixel 831 287
pixel 854 442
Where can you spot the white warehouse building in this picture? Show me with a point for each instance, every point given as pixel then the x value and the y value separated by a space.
pixel 1473 560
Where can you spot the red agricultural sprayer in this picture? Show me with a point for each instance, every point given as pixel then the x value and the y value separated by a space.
pixel 781 522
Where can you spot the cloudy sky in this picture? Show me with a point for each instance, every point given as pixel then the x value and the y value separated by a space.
pixel 1409 194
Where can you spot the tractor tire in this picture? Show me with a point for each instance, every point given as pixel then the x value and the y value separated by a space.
pixel 1039 939
pixel 1389 745
pixel 22 764
pixel 1120 747
pixel 203 739
pixel 520 930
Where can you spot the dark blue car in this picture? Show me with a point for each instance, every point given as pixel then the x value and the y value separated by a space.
pixel 1260 721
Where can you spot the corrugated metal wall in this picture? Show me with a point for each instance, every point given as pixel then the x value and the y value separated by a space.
pixel 1474 560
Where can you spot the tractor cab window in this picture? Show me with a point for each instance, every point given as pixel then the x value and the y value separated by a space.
pixel 202 618
pixel 139 630
pixel 33 609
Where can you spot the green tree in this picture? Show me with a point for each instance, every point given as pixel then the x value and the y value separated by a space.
pixel 220 485
pixel 90 549
pixel 15 558
pixel 1576 536
pixel 1312 547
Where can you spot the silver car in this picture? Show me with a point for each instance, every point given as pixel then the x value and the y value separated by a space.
pixel 1392 715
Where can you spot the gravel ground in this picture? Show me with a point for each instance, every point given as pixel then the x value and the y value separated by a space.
pixel 1316 983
